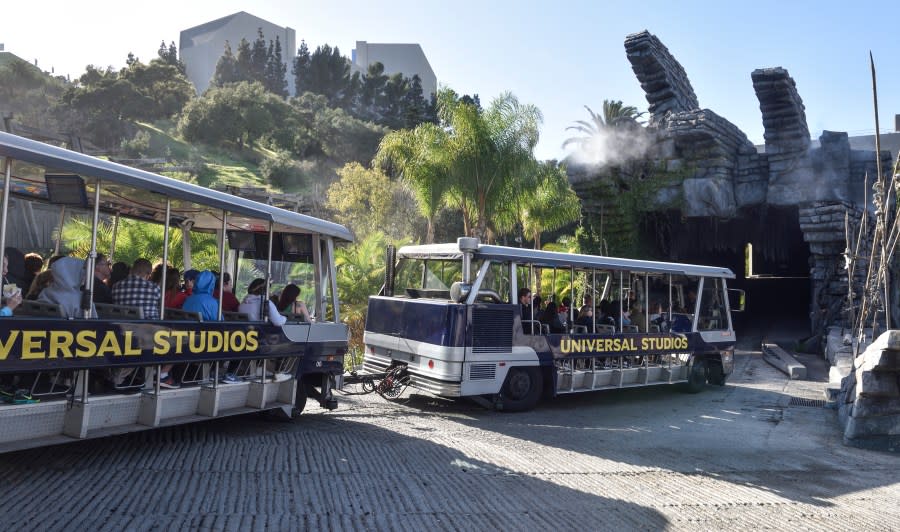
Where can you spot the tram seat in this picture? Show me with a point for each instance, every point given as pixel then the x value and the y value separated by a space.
pixel 631 328
pixel 606 329
pixel 182 315
pixel 545 328
pixel 294 317
pixel 530 325
pixel 579 329
pixel 40 308
pixel 235 316
pixel 654 327
pixel 124 312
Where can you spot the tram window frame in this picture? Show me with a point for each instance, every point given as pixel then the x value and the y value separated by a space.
pixel 714 288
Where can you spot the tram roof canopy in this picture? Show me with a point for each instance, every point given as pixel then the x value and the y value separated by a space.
pixel 561 260
pixel 140 194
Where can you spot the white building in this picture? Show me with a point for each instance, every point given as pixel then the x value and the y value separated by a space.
pixel 408 59
pixel 201 47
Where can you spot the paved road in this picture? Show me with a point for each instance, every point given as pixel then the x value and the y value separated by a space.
pixel 733 458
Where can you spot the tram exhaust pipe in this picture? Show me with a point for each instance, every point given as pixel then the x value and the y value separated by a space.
pixel 468 246
pixel 390 259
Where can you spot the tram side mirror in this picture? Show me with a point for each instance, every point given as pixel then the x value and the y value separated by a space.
pixel 737 299
pixel 459 292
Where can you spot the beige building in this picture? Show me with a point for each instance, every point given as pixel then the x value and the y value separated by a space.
pixel 201 46
pixel 408 59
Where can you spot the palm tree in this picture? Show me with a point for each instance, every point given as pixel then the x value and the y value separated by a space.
pixel 615 115
pixel 135 239
pixel 551 205
pixel 360 273
pixel 469 161
pixel 417 156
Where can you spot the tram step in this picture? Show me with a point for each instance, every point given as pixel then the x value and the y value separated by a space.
pixel 56 421
pixel 584 380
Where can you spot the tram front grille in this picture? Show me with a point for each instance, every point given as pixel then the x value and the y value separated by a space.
pixel 492 330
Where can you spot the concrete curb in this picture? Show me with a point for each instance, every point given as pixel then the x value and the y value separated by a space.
pixel 780 359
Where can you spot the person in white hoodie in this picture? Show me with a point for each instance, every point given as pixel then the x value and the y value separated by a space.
pixel 65 289
pixel 253 301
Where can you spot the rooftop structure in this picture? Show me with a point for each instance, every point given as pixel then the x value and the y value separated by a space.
pixel 201 47
pixel 408 59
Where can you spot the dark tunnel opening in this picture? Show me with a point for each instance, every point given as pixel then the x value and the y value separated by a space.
pixel 768 240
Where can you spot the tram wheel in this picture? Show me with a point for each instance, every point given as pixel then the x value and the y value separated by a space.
pixel 522 389
pixel 715 374
pixel 696 377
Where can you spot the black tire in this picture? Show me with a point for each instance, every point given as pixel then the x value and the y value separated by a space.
pixel 696 377
pixel 300 397
pixel 714 374
pixel 522 389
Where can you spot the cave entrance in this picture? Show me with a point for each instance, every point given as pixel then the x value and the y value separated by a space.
pixel 768 240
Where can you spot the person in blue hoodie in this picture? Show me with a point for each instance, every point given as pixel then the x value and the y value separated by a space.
pixel 201 299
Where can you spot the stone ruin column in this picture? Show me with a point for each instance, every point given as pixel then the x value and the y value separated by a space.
pixel 823 226
pixel 662 77
pixel 783 114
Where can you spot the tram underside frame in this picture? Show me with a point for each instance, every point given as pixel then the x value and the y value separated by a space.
pixel 63 419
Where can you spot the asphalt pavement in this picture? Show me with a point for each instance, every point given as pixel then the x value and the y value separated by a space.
pixel 758 453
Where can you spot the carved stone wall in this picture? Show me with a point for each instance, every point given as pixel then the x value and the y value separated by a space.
pixel 721 175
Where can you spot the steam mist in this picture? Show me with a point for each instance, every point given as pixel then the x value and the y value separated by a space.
pixel 612 146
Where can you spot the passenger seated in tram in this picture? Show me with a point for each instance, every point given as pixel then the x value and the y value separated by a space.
pixel 173 294
pixel 9 302
pixel 564 311
pixel 585 310
pixel 102 271
pixel 34 263
pixel 229 301
pixel 119 271
pixel 608 314
pixel 252 303
pixel 527 310
pixel 40 282
pixel 14 267
pixel 137 290
pixel 65 289
pixel 638 317
pixel 287 302
pixel 201 299
pixel 550 317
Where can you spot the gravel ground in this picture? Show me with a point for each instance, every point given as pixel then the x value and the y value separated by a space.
pixel 731 458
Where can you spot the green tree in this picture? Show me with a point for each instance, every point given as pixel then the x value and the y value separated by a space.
pixel 169 56
pixel 300 69
pixel 360 273
pixel 165 87
pixel 486 150
pixel 240 113
pixel 103 102
pixel 550 205
pixel 244 70
pixel 136 239
pixel 226 68
pixel 275 81
pixel 329 74
pixel 333 132
pixel 481 153
pixel 259 57
pixel 416 156
pixel 365 200
pixel 415 108
pixel 615 115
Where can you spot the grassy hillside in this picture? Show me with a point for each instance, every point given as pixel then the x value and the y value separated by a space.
pixel 209 166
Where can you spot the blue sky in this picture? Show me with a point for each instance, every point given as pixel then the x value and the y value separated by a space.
pixel 558 55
